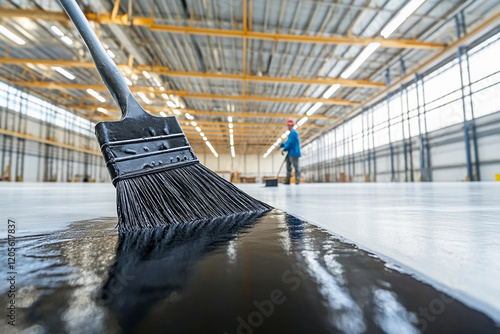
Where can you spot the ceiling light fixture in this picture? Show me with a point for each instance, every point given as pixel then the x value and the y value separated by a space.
pixel 314 108
pixel 363 56
pixel 96 95
pixel 403 14
pixel 10 35
pixel 57 31
pixel 64 72
pixel 302 121
pixel 67 40
pixel 144 97
pixel 330 91
pixel 110 53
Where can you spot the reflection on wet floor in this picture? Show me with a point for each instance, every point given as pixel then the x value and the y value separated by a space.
pixel 267 273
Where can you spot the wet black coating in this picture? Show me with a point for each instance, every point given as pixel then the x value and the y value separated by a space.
pixel 261 273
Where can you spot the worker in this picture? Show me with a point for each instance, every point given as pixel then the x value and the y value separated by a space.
pixel 292 146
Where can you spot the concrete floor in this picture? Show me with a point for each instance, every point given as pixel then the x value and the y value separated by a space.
pixel 446 234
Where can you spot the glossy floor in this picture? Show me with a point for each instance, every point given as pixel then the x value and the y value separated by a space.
pixel 447 234
pixel 268 273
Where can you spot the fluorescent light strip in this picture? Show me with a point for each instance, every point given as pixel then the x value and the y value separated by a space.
pixel 171 104
pixel 57 31
pixel 104 111
pixel 96 95
pixel 127 80
pixel 402 16
pixel 146 74
pixel 110 53
pixel 330 91
pixel 302 121
pixel 162 113
pixel 157 82
pixel 10 35
pixel 363 56
pixel 64 72
pixel 67 40
pixel 144 97
pixel 313 109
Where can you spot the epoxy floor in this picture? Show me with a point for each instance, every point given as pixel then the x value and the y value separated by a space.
pixel 260 273
pixel 447 234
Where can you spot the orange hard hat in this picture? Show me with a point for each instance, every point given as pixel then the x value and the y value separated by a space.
pixel 290 122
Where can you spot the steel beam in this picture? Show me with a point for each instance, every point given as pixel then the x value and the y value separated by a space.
pixel 206 96
pixel 216 76
pixel 108 18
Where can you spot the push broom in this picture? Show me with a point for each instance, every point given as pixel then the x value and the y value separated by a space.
pixel 158 178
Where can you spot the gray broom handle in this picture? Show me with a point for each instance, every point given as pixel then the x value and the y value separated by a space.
pixel 109 72
pixel 281 167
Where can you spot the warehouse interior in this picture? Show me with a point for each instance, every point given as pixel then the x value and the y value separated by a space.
pixel 397 107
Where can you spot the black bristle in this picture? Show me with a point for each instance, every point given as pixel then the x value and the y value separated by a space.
pixel 181 195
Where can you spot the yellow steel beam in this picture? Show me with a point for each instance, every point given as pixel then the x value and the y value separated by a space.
pixel 205 124
pixel 255 78
pixel 225 135
pixel 269 99
pixel 107 18
pixel 251 124
pixel 28 136
pixel 206 96
pixel 317 39
pixel 253 114
pixel 248 114
pixel 218 76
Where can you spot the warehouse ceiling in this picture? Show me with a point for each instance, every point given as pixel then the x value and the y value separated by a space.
pixel 260 62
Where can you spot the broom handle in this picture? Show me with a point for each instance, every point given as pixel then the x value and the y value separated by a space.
pixel 109 72
pixel 281 167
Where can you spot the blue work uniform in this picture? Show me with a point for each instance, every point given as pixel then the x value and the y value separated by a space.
pixel 292 146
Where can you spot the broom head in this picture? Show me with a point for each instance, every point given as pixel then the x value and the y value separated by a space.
pixel 158 178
